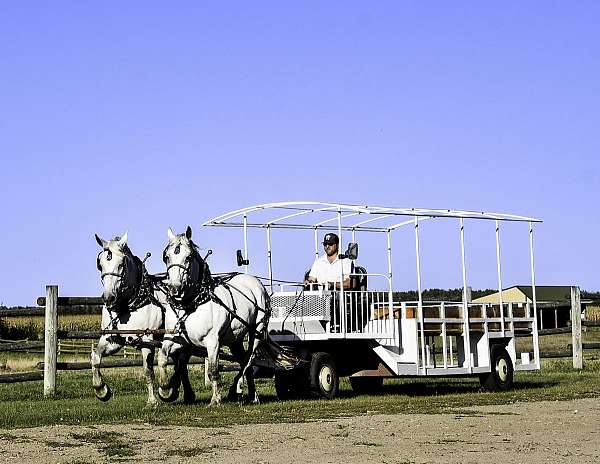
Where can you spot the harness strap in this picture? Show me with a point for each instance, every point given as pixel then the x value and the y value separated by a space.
pixel 233 313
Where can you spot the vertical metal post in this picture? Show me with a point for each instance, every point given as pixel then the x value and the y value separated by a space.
pixel 420 304
pixel 316 244
pixel 390 285
pixel 50 340
pixel 467 334
pixel 246 242
pixel 576 328
pixel 536 342
pixel 269 257
pixel 499 269
pixel 342 299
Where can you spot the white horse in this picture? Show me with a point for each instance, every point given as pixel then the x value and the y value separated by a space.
pixel 210 313
pixel 131 302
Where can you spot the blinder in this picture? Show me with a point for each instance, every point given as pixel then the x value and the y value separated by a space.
pixel 108 258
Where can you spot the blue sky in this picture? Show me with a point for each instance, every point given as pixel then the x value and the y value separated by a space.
pixel 143 115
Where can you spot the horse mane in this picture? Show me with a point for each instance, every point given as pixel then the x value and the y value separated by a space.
pixel 125 248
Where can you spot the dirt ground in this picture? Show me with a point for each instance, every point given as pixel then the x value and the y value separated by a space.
pixel 530 433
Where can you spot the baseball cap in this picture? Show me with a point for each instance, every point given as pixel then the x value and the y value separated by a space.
pixel 331 238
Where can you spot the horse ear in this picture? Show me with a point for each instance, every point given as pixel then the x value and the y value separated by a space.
pixel 170 234
pixel 188 232
pixel 123 240
pixel 103 243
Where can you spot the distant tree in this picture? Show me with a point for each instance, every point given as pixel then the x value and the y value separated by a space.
pixel 590 295
pixel 439 294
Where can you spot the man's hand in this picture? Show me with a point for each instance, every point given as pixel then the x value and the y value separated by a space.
pixel 310 280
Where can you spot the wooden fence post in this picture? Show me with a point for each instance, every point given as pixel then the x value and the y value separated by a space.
pixel 576 328
pixel 50 340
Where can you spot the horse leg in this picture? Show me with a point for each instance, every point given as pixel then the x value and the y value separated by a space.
pixel 212 347
pixel 189 396
pixel 105 347
pixel 248 370
pixel 236 389
pixel 167 389
pixel 148 363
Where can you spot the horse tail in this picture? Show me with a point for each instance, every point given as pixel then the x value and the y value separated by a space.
pixel 282 357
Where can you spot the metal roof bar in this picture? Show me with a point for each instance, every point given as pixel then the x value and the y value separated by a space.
pixel 322 223
pixel 294 226
pixel 305 207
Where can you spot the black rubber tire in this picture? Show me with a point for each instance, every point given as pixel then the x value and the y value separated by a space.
pixel 323 376
pixel 289 385
pixel 501 376
pixel 366 385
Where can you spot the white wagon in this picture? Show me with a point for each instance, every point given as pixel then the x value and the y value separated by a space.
pixel 367 332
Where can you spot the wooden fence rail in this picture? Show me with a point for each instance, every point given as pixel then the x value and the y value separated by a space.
pixel 55 304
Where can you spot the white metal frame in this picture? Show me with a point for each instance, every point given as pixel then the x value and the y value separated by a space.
pixel 384 220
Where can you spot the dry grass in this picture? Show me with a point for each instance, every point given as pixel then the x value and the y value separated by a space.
pixel 592 313
pixel 32 327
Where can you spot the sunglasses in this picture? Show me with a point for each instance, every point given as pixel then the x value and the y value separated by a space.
pixel 328 244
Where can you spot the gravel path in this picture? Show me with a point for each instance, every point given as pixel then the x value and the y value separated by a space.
pixel 556 432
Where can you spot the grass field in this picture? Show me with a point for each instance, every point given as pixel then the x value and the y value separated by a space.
pixel 22 405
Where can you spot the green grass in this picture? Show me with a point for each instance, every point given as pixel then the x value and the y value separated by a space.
pixel 109 443
pixel 22 405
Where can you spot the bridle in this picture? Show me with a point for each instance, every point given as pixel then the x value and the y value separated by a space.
pixel 122 289
pixel 201 289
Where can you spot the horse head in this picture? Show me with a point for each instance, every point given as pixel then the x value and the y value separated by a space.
pixel 119 270
pixel 185 266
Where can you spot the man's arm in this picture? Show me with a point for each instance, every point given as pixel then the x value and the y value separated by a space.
pixel 336 285
pixel 311 279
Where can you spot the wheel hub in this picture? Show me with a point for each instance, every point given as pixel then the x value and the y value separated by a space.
pixel 502 369
pixel 326 378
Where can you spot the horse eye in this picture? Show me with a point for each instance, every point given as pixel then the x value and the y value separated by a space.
pixel 176 251
pixel 108 255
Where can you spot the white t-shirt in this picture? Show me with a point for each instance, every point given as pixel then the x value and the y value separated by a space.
pixel 325 272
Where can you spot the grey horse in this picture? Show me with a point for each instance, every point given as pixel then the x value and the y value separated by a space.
pixel 131 302
pixel 211 313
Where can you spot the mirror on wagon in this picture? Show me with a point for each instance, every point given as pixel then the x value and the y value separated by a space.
pixel 240 259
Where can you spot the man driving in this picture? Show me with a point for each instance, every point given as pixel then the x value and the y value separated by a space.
pixel 326 269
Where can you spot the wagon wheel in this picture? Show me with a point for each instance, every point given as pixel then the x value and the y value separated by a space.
pixel 323 376
pixel 366 385
pixel 501 376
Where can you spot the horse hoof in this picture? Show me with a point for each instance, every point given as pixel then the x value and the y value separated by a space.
pixel 168 395
pixel 232 396
pixel 152 402
pixel 104 393
pixel 189 399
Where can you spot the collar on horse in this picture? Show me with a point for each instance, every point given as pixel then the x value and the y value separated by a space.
pixel 199 292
